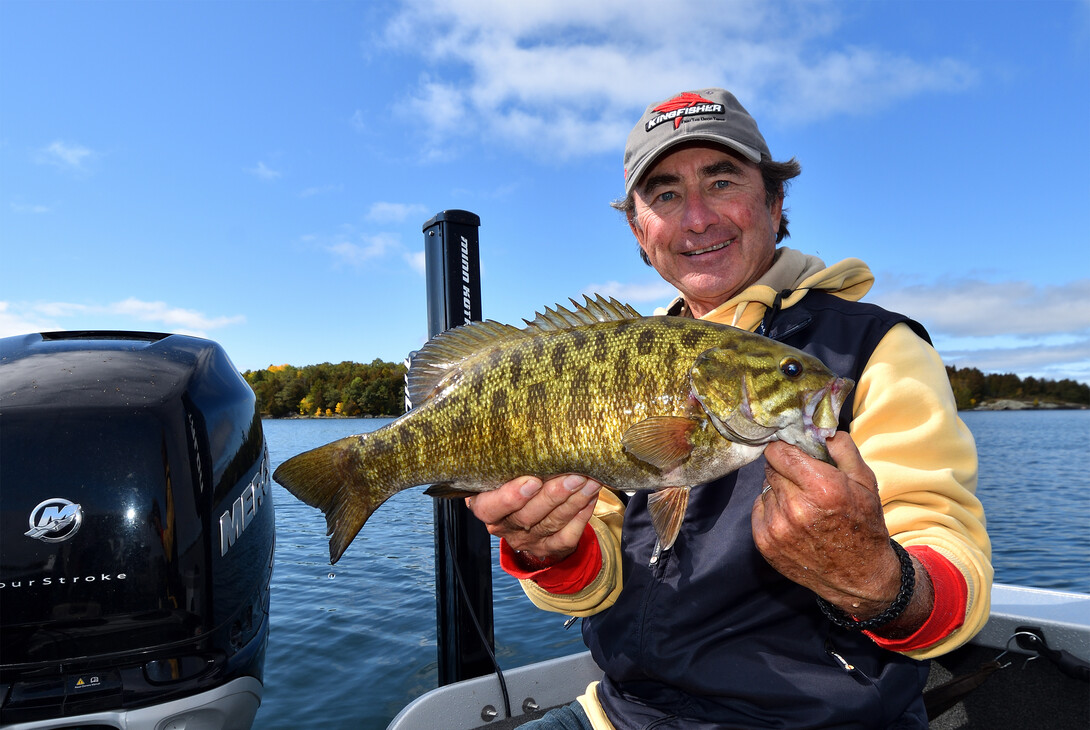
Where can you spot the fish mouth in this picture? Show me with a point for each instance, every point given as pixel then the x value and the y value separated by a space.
pixel 708 249
pixel 821 415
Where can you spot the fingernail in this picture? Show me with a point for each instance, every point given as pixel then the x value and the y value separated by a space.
pixel 591 488
pixel 573 482
pixel 530 487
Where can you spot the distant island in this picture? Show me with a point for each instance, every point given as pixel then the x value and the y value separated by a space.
pixel 355 390
pixel 974 390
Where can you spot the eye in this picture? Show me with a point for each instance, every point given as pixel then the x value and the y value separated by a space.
pixel 722 184
pixel 667 196
pixel 791 367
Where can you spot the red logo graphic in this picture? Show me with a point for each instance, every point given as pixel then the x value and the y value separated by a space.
pixel 681 101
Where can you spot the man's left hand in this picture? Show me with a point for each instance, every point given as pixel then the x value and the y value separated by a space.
pixel 822 526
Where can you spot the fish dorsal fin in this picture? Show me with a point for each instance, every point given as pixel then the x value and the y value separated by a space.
pixel 661 441
pixel 445 352
pixel 667 508
pixel 598 309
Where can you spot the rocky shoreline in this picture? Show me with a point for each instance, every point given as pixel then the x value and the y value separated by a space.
pixel 1006 404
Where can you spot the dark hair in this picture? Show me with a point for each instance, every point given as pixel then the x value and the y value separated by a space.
pixel 776 176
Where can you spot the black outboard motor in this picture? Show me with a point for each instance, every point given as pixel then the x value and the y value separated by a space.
pixel 136 534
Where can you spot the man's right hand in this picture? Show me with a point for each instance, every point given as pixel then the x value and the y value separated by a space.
pixel 545 520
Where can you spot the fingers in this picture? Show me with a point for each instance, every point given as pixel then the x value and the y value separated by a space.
pixel 850 461
pixel 822 526
pixel 538 517
pixel 492 507
pixel 788 466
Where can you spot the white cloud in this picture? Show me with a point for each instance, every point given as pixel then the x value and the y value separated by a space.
pixel 417 262
pixel 359 121
pixel 131 313
pixel 1055 362
pixel 263 172
pixel 396 212
pixel 1007 326
pixel 65 155
pixel 566 78
pixel 29 208
pixel 654 292
pixel 364 248
pixel 975 308
pixel 177 318
pixel 351 247
pixel 320 190
pixel 14 321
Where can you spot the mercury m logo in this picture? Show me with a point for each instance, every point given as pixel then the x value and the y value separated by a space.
pixel 55 520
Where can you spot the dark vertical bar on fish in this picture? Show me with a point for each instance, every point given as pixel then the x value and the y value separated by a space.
pixel 454 299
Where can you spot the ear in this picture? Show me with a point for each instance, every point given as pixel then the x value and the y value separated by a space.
pixel 636 230
pixel 775 212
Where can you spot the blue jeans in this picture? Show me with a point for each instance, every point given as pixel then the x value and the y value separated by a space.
pixel 569 717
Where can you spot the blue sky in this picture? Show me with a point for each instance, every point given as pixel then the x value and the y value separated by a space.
pixel 258 172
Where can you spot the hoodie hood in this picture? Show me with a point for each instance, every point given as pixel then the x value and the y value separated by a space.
pixel 791 271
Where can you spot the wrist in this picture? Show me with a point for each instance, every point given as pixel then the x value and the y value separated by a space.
pixel 915 613
pixel 530 562
pixel 896 614
pixel 569 575
pixel 949 596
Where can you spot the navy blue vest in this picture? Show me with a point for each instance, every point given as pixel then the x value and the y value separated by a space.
pixel 711 636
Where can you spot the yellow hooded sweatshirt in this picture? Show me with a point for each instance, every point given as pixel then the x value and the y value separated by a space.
pixel 906 428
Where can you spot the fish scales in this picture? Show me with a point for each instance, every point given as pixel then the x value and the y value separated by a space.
pixel 657 403
pixel 553 410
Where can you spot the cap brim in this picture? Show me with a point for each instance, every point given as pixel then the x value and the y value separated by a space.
pixel 642 166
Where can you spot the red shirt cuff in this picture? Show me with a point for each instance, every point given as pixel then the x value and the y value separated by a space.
pixel 948 613
pixel 570 575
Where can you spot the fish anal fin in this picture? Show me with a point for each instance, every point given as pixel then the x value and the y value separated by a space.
pixel 446 490
pixel 667 508
pixel 662 441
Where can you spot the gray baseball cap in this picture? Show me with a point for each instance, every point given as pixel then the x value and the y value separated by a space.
pixel 707 115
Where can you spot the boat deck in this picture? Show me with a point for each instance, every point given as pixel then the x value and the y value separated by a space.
pixel 1030 691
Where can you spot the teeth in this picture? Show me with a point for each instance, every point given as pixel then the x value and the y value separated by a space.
pixel 709 249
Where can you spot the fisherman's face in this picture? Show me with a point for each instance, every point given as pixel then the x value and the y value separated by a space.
pixel 700 216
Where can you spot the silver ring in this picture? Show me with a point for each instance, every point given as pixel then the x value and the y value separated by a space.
pixel 766 490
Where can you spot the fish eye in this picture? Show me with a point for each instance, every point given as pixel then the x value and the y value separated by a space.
pixel 791 367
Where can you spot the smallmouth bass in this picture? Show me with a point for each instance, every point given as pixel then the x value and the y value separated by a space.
pixel 656 403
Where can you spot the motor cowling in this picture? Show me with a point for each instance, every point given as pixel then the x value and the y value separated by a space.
pixel 136 530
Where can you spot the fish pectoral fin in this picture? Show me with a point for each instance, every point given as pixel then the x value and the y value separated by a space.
pixel 662 441
pixel 446 490
pixel 667 508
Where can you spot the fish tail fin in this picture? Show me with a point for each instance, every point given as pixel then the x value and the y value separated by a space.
pixel 332 478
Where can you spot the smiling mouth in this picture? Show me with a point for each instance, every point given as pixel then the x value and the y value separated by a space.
pixel 709 249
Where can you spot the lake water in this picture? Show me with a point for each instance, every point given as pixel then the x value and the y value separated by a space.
pixel 353 643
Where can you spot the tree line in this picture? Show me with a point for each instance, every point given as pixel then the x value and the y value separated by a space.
pixel 378 389
pixel 972 387
pixel 345 389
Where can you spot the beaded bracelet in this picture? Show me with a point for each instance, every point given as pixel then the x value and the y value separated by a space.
pixel 900 603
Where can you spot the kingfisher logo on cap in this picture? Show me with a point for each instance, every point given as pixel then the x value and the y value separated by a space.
pixel 681 106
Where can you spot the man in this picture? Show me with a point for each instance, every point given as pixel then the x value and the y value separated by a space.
pixel 798 594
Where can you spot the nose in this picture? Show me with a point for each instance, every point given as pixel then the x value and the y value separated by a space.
pixel 698 215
